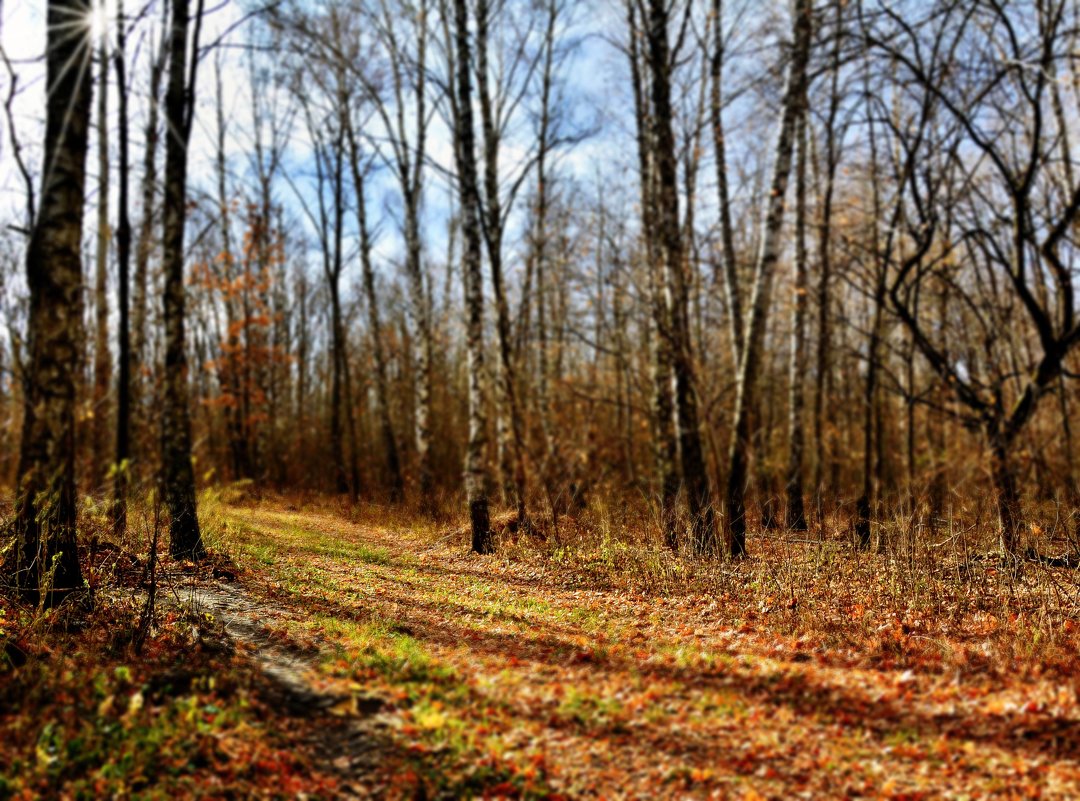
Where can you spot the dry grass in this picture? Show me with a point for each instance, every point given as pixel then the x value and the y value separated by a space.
pixel 943 595
pixel 945 588
pixel 593 661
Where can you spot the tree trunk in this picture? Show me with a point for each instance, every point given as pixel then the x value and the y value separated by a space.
pixel 910 437
pixel 511 427
pixel 123 259
pixel 469 192
pixel 179 474
pixel 412 183
pixel 864 503
pixel 871 470
pixel 382 392
pixel 822 371
pixel 665 443
pixel 1010 514
pixel 145 243
pixel 406 81
pixel 539 243
pixel 1072 489
pixel 695 479
pixel 727 232
pixel 340 413
pixel 102 357
pixel 769 255
pixel 796 515
pixel 350 420
pixel 423 347
pixel 44 558
pixel 303 349
pixel 337 392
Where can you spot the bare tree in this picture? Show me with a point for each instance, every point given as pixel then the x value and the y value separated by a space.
pixel 382 390
pixel 44 558
pixel 877 280
pixel 796 515
pixel 493 121
pixel 676 282
pixel 178 474
pixel 1012 227
pixel 407 54
pixel 468 195
pixel 123 260
pixel 792 109
pixel 102 355
pixel 665 443
pixel 145 245
pixel 537 270
pixel 732 285
pixel 833 135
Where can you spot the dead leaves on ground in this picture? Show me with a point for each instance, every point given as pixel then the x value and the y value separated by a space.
pixel 506 677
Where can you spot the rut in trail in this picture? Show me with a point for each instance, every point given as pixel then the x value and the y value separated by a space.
pixel 346 747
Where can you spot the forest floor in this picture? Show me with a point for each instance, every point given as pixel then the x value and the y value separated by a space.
pixel 389 661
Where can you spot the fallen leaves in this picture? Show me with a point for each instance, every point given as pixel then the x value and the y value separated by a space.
pixel 538 675
pixel 557 687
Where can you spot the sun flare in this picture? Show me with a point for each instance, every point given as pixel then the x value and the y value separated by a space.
pixel 102 17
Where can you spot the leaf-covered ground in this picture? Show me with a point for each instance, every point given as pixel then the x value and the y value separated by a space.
pixel 512 676
pixel 329 652
pixel 82 716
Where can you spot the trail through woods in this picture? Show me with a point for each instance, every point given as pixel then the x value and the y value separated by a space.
pixel 348 749
pixel 503 677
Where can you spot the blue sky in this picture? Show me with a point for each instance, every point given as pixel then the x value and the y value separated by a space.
pixel 594 85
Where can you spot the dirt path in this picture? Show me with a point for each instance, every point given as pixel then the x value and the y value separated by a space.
pixel 345 733
pixel 498 675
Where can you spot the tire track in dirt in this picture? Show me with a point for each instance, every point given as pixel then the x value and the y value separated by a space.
pixel 345 734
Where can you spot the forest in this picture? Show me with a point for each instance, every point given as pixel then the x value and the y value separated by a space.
pixel 539 399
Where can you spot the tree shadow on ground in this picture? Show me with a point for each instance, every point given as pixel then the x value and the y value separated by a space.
pixel 797 686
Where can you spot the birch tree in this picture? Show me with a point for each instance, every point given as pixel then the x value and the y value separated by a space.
pixel 102 356
pixel 795 512
pixel 665 443
pixel 44 557
pixel 672 257
pixel 792 108
pixel 403 31
pixel 145 244
pixel 123 261
pixel 178 474
pixel 476 469
pixel 832 148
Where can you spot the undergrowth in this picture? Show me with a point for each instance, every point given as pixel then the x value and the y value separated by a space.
pixel 946 585
pixel 880 671
pixel 92 706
